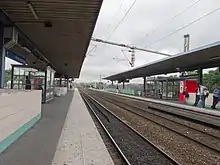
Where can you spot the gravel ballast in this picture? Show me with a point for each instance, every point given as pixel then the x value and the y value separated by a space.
pixel 182 149
pixel 135 148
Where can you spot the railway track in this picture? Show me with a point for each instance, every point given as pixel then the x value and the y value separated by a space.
pixel 180 126
pixel 131 145
pixel 115 153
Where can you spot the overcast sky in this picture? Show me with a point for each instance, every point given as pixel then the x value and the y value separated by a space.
pixel 138 28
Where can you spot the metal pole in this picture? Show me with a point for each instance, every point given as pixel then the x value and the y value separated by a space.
pixel 167 89
pixel 60 83
pixel 144 86
pixel 2 56
pixel 45 87
pixel 173 87
pixel 12 77
pixel 19 78
pixel 186 42
pixel 128 46
pixel 155 87
pixel 67 82
pixel 29 75
pixel 200 76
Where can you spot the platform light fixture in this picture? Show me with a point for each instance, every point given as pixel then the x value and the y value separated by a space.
pixel 178 69
pixel 33 11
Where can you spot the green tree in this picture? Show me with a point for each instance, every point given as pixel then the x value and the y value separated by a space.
pixel 7 76
pixel 211 79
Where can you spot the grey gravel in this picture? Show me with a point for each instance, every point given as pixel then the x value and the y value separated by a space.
pixel 137 151
pixel 202 137
pixel 182 149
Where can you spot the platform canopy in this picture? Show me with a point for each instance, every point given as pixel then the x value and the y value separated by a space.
pixel 59 29
pixel 203 57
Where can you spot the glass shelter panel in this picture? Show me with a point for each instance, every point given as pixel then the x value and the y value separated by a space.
pixel 20 76
pixel 27 78
pixel 50 84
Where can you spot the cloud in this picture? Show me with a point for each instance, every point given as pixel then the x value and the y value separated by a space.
pixel 142 19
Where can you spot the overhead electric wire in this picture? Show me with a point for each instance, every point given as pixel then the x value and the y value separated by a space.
pixel 110 24
pixel 125 56
pixel 185 26
pixel 172 18
pixel 119 23
pixel 94 47
pixel 127 59
pixel 113 18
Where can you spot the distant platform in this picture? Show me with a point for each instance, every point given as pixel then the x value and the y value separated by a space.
pixel 173 104
pixel 201 114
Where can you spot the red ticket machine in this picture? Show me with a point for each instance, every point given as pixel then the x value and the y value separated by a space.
pixel 191 88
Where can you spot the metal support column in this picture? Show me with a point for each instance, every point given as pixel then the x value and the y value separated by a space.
pixel 173 88
pixel 60 82
pixel 112 83
pixel 67 83
pixel 155 88
pixel 45 87
pixel 167 89
pixel 2 56
pixel 144 86
pixel 123 85
pixel 12 76
pixel 200 75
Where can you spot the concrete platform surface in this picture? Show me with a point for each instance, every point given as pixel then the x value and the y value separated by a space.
pixel 80 142
pixel 38 145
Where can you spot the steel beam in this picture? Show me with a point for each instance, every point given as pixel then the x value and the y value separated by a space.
pixel 12 77
pixel 45 87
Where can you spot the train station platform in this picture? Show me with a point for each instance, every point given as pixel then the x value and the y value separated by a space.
pixel 80 142
pixel 65 134
pixel 211 117
pixel 175 104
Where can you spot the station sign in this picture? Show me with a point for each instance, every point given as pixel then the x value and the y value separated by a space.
pixel 15 57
